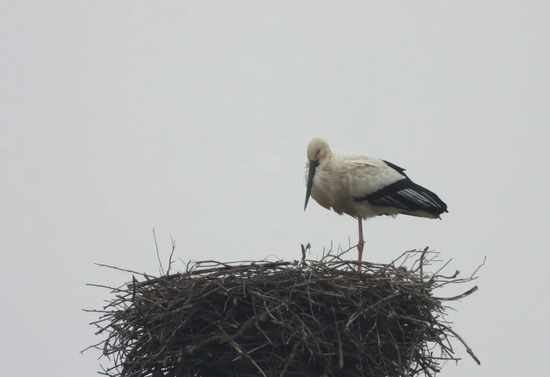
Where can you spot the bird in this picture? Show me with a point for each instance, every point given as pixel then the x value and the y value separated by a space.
pixel 364 187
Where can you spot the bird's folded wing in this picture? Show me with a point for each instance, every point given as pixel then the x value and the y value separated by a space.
pixel 408 196
pixel 368 175
pixel 384 184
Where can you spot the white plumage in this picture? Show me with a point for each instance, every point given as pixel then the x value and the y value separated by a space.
pixel 364 187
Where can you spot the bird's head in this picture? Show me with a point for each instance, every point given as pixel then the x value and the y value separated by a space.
pixel 318 152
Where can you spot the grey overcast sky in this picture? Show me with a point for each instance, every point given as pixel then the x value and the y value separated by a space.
pixel 193 118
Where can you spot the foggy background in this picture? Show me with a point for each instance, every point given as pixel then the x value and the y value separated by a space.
pixel 117 117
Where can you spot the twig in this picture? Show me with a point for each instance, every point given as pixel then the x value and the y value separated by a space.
pixel 170 261
pixel 477 269
pixel 468 349
pixel 340 352
pixel 161 269
pixel 290 358
pixel 467 293
pixel 303 262
pixel 239 350
pixel 134 282
pixel 123 270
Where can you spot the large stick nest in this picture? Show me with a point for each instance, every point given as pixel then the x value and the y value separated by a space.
pixel 282 319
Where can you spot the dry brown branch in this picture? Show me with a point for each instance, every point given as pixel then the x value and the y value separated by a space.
pixel 281 319
pixel 161 269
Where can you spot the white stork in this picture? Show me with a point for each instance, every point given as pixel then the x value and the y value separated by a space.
pixel 364 187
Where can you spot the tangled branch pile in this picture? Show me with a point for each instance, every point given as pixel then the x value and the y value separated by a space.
pixel 282 319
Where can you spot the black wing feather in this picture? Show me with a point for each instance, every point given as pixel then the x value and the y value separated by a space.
pixel 406 196
pixel 395 167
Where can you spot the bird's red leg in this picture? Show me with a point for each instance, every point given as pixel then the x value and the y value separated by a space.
pixel 360 244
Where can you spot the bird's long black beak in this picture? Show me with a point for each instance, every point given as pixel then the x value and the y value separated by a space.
pixel 312 166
